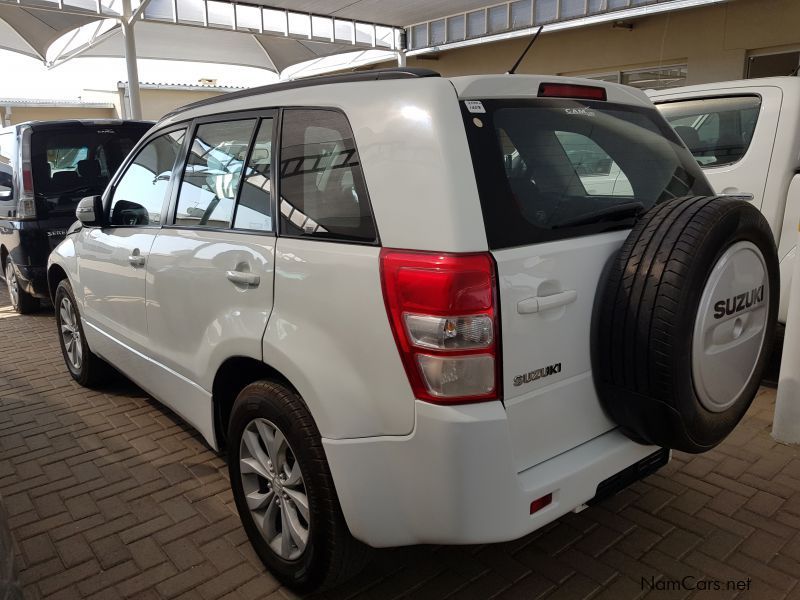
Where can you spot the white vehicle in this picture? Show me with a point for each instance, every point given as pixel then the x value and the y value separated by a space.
pixel 377 293
pixel 746 136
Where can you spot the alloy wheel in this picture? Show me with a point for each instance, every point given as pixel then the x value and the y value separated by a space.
pixel 13 284
pixel 274 488
pixel 70 333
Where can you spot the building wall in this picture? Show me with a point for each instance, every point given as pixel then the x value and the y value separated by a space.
pixel 20 114
pixel 714 41
pixel 158 102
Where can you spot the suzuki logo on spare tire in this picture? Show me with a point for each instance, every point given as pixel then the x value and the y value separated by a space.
pixel 735 304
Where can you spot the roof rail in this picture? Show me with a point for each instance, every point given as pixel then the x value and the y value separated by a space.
pixel 374 75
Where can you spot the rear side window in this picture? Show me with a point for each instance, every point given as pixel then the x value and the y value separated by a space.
pixel 139 195
pixel 717 131
pixel 213 173
pixel 71 163
pixel 6 165
pixel 551 169
pixel 322 188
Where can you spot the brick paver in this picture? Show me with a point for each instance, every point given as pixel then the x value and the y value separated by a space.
pixel 110 495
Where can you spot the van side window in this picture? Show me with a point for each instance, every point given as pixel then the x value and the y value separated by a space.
pixel 323 194
pixel 213 172
pixel 717 131
pixel 139 195
pixel 6 166
pixel 254 209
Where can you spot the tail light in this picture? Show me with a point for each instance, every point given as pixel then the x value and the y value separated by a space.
pixel 442 309
pixel 26 204
pixel 571 90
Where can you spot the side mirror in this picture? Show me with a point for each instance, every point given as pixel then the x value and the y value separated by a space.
pixel 90 211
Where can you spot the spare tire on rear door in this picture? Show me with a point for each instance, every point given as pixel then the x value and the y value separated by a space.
pixel 684 326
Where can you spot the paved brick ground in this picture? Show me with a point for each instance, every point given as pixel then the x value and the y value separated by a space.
pixel 111 496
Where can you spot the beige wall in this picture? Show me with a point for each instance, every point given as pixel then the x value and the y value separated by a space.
pixel 20 114
pixel 155 104
pixel 158 102
pixel 714 41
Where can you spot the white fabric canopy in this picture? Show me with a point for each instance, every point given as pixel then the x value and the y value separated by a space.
pixel 30 31
pixel 166 41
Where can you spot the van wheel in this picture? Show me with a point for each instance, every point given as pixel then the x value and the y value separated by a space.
pixel 284 490
pixel 21 301
pixel 86 368
pixel 685 324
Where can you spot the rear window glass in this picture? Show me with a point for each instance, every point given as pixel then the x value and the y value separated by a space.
pixel 69 164
pixel 552 169
pixel 717 131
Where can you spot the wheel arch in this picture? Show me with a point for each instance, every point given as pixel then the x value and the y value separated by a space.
pixel 232 376
pixel 54 275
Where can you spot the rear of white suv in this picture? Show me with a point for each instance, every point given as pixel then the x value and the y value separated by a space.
pixel 396 344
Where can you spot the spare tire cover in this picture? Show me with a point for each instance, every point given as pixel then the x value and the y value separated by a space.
pixel 684 324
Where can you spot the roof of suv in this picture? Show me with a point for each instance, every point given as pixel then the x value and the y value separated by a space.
pixel 302 93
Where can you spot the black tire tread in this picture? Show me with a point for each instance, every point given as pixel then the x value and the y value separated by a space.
pixel 26 304
pixel 95 372
pixel 636 352
pixel 345 555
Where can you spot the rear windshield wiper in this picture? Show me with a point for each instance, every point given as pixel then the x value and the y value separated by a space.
pixel 609 213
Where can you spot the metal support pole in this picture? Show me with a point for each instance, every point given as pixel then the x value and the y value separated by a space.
pixel 786 426
pixel 130 61
pixel 401 58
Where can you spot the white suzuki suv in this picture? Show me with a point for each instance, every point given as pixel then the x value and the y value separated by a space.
pixel 404 309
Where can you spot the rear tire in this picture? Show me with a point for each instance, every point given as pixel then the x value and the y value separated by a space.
pixel 21 301
pixel 85 366
pixel 275 453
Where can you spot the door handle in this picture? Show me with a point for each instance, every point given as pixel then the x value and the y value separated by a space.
pixel 136 259
pixel 542 303
pixel 243 278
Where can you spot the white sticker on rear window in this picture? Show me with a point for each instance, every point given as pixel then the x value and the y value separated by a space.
pixel 474 106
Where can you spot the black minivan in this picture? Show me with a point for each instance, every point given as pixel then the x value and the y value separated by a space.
pixel 46 167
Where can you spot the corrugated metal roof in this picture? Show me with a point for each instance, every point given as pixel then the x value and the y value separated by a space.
pixel 152 85
pixel 52 102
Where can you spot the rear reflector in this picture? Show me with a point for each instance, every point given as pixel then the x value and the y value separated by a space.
pixel 442 311
pixel 540 503
pixel 570 90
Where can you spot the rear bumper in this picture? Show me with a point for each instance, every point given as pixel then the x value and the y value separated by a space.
pixel 452 481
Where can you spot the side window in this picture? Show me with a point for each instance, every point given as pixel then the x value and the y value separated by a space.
pixel 717 131
pixel 213 173
pixel 254 210
pixel 323 194
pixel 139 194
pixel 598 172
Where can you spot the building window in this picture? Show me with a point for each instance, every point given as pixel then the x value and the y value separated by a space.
pixel 651 78
pixel 773 65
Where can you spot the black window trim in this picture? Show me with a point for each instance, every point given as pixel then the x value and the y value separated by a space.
pixel 108 196
pixel 258 115
pixel 720 97
pixel 377 241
